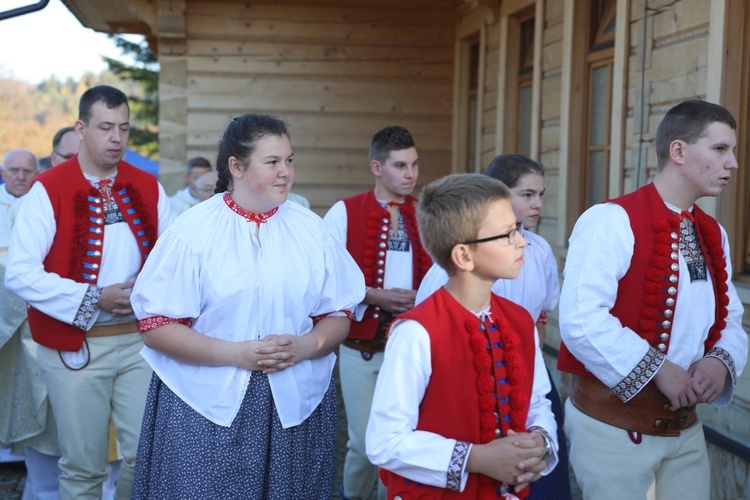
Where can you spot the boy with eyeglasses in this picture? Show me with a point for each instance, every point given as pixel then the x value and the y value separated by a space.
pixel 537 288
pixel 459 407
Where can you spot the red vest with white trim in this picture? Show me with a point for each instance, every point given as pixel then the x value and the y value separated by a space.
pixel 367 231
pixel 451 403
pixel 647 294
pixel 76 251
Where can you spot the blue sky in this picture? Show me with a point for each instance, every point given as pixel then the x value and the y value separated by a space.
pixel 51 41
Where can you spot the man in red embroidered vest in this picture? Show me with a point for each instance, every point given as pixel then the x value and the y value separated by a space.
pixel 76 249
pixel 379 229
pixel 460 408
pixel 650 321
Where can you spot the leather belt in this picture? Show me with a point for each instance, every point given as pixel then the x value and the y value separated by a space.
pixel 647 412
pixel 368 346
pixel 114 329
pixel 377 343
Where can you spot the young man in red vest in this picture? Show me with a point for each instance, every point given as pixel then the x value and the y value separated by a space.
pixel 76 249
pixel 460 408
pixel 379 229
pixel 650 321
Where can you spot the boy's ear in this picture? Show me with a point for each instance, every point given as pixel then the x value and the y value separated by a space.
pixel 461 257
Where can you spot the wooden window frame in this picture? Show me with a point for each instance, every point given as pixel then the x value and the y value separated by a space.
pixel 574 98
pixel 524 76
pixel 595 60
pixel 471 32
pixel 518 69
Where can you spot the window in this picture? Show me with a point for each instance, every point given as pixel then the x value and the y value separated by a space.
pixel 517 125
pixel 524 84
pixel 472 109
pixel 599 66
pixel 742 201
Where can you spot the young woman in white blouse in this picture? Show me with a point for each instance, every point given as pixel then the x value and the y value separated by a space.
pixel 241 304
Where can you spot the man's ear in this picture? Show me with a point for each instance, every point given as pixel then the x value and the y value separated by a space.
pixel 375 168
pixel 462 258
pixel 677 151
pixel 78 126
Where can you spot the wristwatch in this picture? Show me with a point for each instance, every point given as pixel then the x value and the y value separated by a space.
pixel 548 449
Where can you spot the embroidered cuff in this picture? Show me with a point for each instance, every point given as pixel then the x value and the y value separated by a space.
pixel 456 465
pixel 726 358
pixel 641 375
pixel 348 314
pixel 152 322
pixel 88 307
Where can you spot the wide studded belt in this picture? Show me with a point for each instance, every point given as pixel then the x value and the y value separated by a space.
pixel 647 412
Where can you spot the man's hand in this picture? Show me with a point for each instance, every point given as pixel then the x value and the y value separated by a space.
pixel 115 299
pixel 393 300
pixel 676 384
pixel 709 375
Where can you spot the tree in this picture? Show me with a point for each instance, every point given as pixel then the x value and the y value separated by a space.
pixel 143 96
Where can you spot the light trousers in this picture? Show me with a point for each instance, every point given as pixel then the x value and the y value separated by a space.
pixel 42 475
pixel 358 378
pixel 608 465
pixel 112 386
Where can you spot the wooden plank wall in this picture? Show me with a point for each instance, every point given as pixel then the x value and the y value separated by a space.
pixel 676 63
pixel 336 71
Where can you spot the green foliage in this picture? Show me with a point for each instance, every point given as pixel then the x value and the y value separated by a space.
pixel 143 96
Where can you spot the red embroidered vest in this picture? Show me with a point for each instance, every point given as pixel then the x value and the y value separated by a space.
pixel 367 242
pixel 76 252
pixel 647 294
pixel 458 403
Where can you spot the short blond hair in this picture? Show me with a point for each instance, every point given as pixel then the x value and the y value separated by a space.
pixel 452 209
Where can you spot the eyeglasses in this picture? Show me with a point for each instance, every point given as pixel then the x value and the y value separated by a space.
pixel 512 236
pixel 67 156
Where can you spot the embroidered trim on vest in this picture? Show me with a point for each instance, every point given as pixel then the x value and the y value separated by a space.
pixel 489 404
pixel 248 216
pixel 726 358
pixel 88 307
pixel 152 322
pixel 376 245
pixel 138 218
pixel 661 284
pixel 711 237
pixel 421 260
pixel 456 465
pixel 86 254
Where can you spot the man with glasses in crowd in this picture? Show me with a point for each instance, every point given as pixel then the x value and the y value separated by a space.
pixel 65 145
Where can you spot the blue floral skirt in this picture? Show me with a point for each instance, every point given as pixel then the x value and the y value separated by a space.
pixel 183 455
